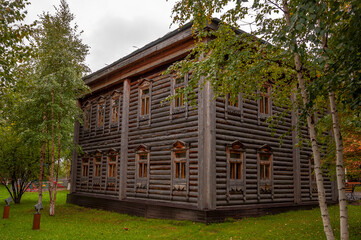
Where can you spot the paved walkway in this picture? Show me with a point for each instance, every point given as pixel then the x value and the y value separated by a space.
pixel 357 195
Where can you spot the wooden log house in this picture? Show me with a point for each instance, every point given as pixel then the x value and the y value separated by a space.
pixel 147 157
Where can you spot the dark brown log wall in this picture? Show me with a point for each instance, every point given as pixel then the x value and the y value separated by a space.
pixel 158 133
pixel 252 131
pixel 102 140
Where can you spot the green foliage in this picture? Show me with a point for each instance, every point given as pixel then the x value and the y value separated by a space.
pixel 73 222
pixel 58 70
pixel 324 33
pixel 18 162
pixel 13 33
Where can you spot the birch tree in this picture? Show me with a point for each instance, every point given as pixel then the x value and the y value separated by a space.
pixel 57 83
pixel 299 32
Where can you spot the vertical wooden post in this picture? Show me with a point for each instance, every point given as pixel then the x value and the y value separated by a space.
pixel 207 148
pixel 296 156
pixel 75 157
pixel 124 140
pixel 6 212
pixel 36 221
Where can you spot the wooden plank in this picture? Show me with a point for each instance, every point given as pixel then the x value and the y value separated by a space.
pixel 124 140
pixel 74 161
pixel 207 146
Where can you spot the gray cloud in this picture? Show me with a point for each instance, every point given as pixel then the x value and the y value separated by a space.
pixel 114 37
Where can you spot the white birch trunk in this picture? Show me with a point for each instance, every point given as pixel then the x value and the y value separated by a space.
pixel 51 175
pixel 339 168
pixel 315 149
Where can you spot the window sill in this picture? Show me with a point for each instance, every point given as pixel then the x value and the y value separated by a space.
pixel 264 115
pixel 143 118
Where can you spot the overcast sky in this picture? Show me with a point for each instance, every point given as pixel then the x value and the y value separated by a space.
pixel 113 28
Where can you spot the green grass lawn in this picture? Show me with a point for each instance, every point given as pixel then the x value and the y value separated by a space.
pixel 73 222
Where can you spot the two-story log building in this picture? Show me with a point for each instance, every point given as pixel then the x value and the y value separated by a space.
pixel 148 157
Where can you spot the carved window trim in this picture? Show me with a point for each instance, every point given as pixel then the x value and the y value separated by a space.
pixel 145 113
pixel 234 110
pixel 236 185
pixel 176 84
pixel 101 105
pixel 142 182
pixel 265 186
pixel 115 108
pixel 180 181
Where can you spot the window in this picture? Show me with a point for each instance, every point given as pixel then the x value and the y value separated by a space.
pixel 178 101
pixel 112 165
pixel 264 102
pixel 235 163
pixel 85 167
pixel 145 101
pixel 180 168
pixel 97 165
pixel 265 171
pixel 233 106
pixel 115 108
pixel 180 163
pixel 143 165
pixel 264 166
pixel 235 169
pixel 142 158
pixel 101 113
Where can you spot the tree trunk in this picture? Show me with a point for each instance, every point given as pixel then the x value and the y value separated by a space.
pixel 51 175
pixel 42 160
pixel 315 149
pixel 340 176
pixel 41 171
pixel 59 151
pixel 339 168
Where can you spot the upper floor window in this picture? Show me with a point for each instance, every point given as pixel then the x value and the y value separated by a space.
pixel 179 101
pixel 101 113
pixel 115 107
pixel 264 102
pixel 112 164
pixel 85 167
pixel 145 99
pixel 233 106
pixel 97 164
